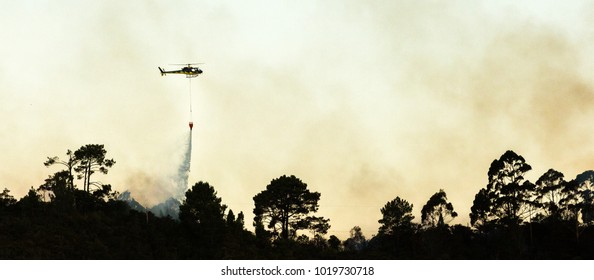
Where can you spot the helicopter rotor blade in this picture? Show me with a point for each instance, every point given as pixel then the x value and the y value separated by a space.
pixel 196 63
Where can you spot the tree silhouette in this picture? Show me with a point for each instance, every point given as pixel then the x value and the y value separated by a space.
pixel 585 190
pixel 203 215
pixel 317 225
pixel 284 208
pixel 397 216
pixel 356 241
pixel 481 209
pixel 30 203
pixel 437 210
pixel 334 242
pixel 202 207
pixel 70 163
pixel 90 159
pixel 507 197
pixel 577 202
pixel 551 190
pixel 58 188
pixel 6 200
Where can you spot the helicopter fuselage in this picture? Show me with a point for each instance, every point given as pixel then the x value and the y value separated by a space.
pixel 189 71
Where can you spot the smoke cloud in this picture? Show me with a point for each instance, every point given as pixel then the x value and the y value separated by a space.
pixel 363 101
pixel 152 189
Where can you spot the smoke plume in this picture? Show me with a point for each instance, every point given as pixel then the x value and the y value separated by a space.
pixel 159 187
pixel 363 101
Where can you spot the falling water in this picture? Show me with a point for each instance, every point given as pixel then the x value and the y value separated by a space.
pixel 183 171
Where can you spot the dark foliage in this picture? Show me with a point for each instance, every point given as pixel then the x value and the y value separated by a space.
pixel 284 208
pixel 437 210
pixel 512 218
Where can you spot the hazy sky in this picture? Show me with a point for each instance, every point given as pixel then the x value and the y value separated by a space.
pixel 362 100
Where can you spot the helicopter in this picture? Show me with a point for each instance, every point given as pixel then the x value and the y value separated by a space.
pixel 188 70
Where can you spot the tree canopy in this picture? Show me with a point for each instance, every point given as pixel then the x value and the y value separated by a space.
pixel 202 207
pixel 285 207
pixel 90 159
pixel 396 216
pixel 437 210
pixel 551 194
pixel 507 197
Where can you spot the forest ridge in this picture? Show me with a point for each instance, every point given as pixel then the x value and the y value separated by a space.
pixel 511 218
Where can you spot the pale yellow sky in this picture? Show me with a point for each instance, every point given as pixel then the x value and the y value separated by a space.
pixel 364 101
